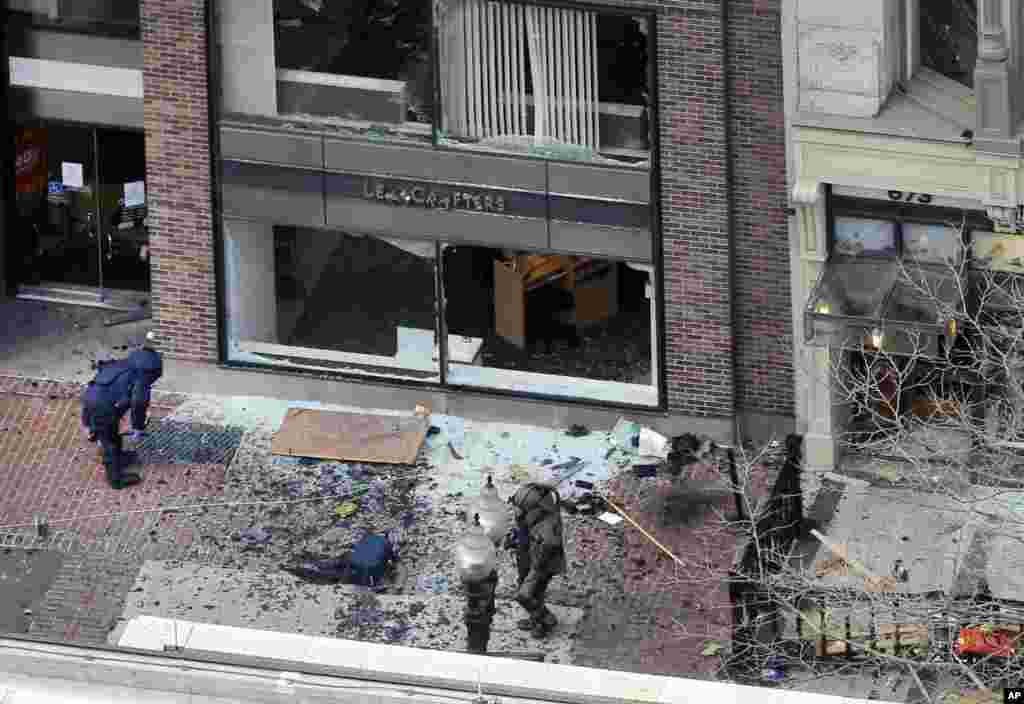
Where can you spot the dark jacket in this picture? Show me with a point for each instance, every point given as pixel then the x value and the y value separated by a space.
pixel 539 516
pixel 127 384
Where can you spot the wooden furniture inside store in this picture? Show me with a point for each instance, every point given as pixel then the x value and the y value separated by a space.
pixel 592 283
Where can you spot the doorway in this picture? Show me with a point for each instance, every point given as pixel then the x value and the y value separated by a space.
pixel 81 233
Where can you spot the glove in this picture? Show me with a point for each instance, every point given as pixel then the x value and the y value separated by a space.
pixel 137 435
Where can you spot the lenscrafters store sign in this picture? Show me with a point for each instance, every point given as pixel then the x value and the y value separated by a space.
pixel 434 196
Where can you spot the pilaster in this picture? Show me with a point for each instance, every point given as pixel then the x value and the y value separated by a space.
pixel 993 79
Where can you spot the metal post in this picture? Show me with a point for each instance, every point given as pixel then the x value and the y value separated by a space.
pixel 737 494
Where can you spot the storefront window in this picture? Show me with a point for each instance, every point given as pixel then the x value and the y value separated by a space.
pixel 936 244
pixel 858 236
pixel 331 301
pixel 555 83
pixel 336 301
pixel 115 17
pixel 551 324
pixel 341 65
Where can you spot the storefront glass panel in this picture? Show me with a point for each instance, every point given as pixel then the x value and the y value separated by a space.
pixel 555 325
pixel 559 83
pixel 125 242
pixel 331 300
pixel 352 67
pixel 71 232
pixel 57 230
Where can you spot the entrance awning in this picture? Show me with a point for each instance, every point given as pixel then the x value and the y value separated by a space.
pixel 883 304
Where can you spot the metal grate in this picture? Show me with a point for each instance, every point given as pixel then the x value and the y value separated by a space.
pixel 174 442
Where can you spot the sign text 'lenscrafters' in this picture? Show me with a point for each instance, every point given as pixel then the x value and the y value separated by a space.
pixel 433 198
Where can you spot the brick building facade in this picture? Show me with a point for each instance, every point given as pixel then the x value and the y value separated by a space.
pixel 721 318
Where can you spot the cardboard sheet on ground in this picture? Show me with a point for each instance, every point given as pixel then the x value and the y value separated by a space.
pixel 355 437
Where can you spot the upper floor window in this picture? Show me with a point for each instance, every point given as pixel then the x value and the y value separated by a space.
pixel 949 38
pixel 348 66
pixel 561 82
pixel 118 18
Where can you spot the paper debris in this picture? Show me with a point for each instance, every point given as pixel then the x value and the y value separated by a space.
pixel 610 518
pixel 712 647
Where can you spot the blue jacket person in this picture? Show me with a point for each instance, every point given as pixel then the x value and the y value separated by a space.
pixel 120 386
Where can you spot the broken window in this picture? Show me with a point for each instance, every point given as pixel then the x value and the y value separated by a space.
pixel 550 324
pixel 344 65
pixel 557 83
pixel 113 17
pixel 949 38
pixel 354 59
pixel 331 301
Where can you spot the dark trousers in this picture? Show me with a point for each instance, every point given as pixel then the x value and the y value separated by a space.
pixel 106 423
pixel 533 587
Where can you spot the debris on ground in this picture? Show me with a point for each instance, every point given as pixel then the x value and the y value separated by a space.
pixel 711 648
pixel 254 536
pixel 653 444
pixel 577 431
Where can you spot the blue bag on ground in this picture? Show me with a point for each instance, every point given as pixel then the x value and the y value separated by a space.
pixel 370 560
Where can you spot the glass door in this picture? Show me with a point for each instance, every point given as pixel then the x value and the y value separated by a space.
pixel 56 206
pixel 122 210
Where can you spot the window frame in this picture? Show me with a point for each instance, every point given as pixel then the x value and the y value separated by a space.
pixel 652 83
pixel 23 20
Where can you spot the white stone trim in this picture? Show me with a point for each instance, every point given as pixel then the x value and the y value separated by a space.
pixel 75 77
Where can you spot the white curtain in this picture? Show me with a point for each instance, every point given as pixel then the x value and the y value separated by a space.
pixel 486 48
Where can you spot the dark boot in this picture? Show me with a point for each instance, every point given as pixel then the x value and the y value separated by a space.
pixel 543 623
pixel 525 624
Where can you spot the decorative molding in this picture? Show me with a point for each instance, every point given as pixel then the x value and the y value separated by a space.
pixel 805 192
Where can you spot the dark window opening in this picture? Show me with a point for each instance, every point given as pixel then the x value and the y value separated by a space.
pixel 949 38
pixel 119 18
pixel 387 41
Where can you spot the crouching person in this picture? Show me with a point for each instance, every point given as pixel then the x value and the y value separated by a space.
pixel 119 387
pixel 540 552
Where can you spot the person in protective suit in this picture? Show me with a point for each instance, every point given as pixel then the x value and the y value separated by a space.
pixel 118 387
pixel 540 552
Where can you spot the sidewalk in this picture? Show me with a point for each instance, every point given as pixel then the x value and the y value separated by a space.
pixel 113 554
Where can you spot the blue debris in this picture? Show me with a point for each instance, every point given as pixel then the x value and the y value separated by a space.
pixel 254 536
pixel 308 461
pixel 295 488
pixel 397 632
pixel 366 616
pixel 432 583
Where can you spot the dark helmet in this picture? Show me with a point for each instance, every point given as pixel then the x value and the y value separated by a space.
pixel 534 498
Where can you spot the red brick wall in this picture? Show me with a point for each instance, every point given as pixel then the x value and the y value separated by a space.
pixel 763 322
pixel 698 333
pixel 178 177
pixel 700 328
